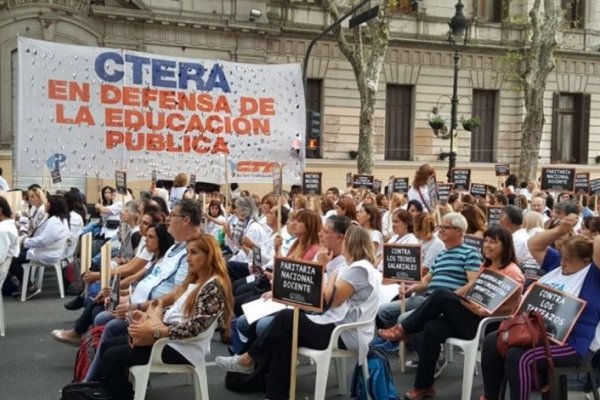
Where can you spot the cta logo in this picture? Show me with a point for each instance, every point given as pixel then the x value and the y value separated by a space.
pixel 246 167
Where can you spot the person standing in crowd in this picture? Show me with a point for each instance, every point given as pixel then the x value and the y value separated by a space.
pixel 418 191
pixel 179 188
pixel 3 184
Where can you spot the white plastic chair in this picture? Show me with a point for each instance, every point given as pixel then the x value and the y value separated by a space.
pixel 470 348
pixel 40 276
pixel 322 359
pixel 141 373
pixel 3 273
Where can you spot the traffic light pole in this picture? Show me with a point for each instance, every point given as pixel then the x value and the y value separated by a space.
pixel 309 50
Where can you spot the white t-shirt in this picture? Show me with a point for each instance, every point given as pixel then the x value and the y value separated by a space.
pixel 571 284
pixel 377 237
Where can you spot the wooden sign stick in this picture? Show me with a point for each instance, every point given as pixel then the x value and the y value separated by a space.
pixel 226 190
pixel 402 350
pixel 294 354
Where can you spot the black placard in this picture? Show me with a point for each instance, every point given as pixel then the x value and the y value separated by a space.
pixel 595 187
pixel 298 283
pixel 432 191
pixel 153 177
pixel 461 177
pixel 121 181
pixel 502 169
pixel 277 180
pixel 474 241
pixel 582 183
pixel 402 262
pixel 400 185
pixel 493 215
pixel 257 267
pixel 193 180
pixel 559 310
pixel 491 289
pixel 532 271
pixel 479 189
pixel 444 190
pixel 115 292
pixel 311 183
pixel 376 186
pixel 349 179
pixel 362 181
pixel 55 174
pixel 558 179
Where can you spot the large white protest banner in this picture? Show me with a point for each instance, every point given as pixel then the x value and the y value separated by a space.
pixel 88 111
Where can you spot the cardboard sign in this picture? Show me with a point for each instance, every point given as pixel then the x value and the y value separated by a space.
pixel 444 190
pixel 311 183
pixel 461 177
pixel 349 179
pixel 362 181
pixel 153 177
pixel 121 181
pixel 115 292
pixel 105 253
pixel 86 252
pixel 377 186
pixel 298 283
pixel 491 289
pixel 502 169
pixel 55 174
pixel 277 180
pixel 493 215
pixel 479 190
pixel 474 241
pixel 595 187
pixel 400 185
pixel 402 262
pixel 432 191
pixel 193 180
pixel 559 310
pixel 558 179
pixel 532 271
pixel 257 267
pixel 582 183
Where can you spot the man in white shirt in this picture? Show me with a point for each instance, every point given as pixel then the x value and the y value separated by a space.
pixel 3 184
pixel 511 219
pixel 9 236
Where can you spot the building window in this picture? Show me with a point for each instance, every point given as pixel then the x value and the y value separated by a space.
pixel 314 134
pixel 483 139
pixel 398 117
pixel 570 128
pixel 490 10
pixel 574 13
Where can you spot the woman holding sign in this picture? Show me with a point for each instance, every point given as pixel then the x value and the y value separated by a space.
pixel 570 271
pixel 446 314
pixel 419 191
pixel 350 295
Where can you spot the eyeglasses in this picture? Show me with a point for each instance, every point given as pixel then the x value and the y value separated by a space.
pixel 444 227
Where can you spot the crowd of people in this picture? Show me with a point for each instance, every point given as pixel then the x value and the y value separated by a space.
pixel 183 261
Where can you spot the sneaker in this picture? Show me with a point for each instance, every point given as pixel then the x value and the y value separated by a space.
pixel 378 342
pixel 590 395
pixel 391 346
pixel 232 364
pixel 439 366
pixel 74 304
pixel 65 336
pixel 412 363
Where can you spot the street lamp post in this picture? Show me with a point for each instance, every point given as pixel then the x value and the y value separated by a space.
pixel 458 28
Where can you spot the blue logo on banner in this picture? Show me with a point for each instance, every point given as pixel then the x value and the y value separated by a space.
pixel 56 161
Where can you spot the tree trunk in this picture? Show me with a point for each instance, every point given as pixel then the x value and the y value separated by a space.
pixel 364 161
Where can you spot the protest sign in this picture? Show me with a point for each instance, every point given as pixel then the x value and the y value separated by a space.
pixel 595 187
pixel 121 181
pixel 400 185
pixel 105 258
pixel 349 179
pixel 193 180
pixel 362 181
pixel 502 169
pixel 55 175
pixel 86 252
pixel 558 179
pixel 298 283
pixel 311 183
pixel 102 109
pixel 479 190
pixel 376 186
pixel 532 271
pixel 493 215
pixel 432 191
pixel 444 190
pixel 474 241
pixel 277 180
pixel 461 177
pixel 559 310
pixel 491 289
pixel 402 262
pixel 582 183
pixel 153 177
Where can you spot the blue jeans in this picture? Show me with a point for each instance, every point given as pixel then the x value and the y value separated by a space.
pixel 249 331
pixel 390 314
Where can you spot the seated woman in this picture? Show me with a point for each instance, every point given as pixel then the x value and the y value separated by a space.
pixel 204 296
pixel 578 276
pixel 350 294
pixel 47 243
pixel 158 242
pixel 444 314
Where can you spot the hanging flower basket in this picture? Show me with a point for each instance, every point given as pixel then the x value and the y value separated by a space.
pixel 437 122
pixel 470 124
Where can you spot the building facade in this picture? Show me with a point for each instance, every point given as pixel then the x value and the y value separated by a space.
pixel 415 84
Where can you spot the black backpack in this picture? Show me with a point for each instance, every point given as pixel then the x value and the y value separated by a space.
pixel 247 383
pixel 83 391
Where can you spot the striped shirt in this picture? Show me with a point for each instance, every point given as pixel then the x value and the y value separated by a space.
pixel 449 270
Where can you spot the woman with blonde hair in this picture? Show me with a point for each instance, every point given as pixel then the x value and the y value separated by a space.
pixel 351 295
pixel 179 188
pixel 533 222
pixel 204 296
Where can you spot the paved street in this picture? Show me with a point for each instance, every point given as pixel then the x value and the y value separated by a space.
pixel 35 367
